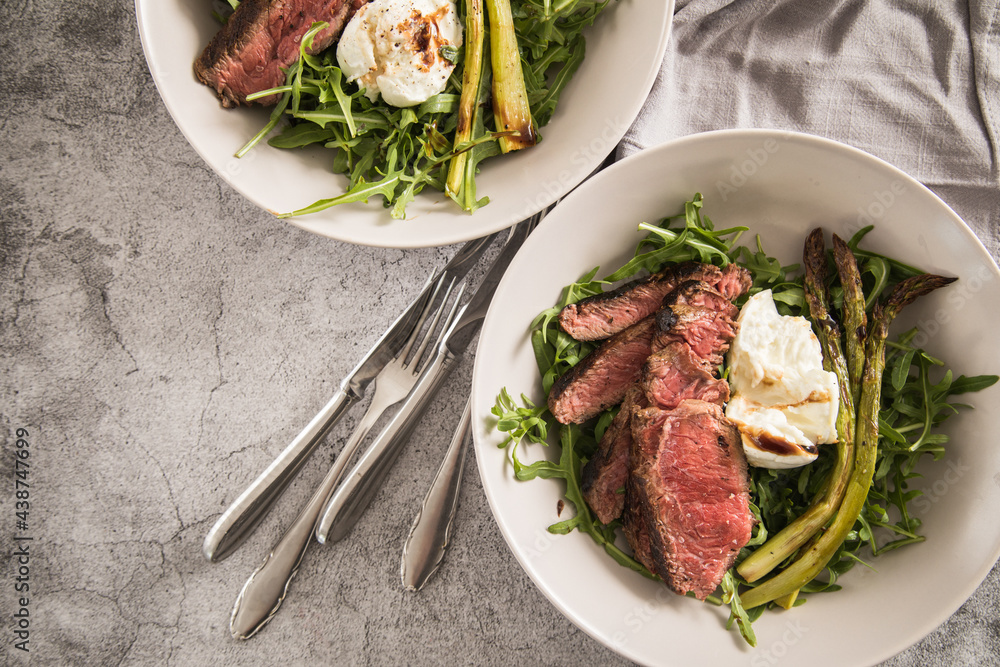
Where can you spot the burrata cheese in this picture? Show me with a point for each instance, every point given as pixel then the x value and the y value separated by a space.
pixel 783 401
pixel 393 49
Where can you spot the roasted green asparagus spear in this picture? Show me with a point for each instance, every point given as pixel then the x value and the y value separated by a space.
pixel 855 320
pixel 475 39
pixel 510 98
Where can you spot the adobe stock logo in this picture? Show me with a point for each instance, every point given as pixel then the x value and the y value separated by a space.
pixel 636 618
pixel 541 544
pixel 773 654
pixel 958 296
pixel 939 489
pixel 744 169
pixel 881 202
pixel 235 165
pixel 591 152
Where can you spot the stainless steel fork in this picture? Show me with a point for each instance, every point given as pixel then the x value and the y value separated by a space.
pixel 264 591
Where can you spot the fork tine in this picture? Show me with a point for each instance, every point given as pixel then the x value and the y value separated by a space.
pixel 425 311
pixel 415 360
pixel 450 322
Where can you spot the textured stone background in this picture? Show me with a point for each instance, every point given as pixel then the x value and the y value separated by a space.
pixel 162 338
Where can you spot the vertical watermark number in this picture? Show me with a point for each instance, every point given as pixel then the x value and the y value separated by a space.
pixel 21 553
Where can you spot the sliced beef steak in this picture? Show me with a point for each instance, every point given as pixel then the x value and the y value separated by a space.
pixel 674 374
pixel 634 528
pixel 668 377
pixel 687 497
pixel 700 294
pixel 606 472
pixel 694 313
pixel 699 316
pixel 260 38
pixel 600 380
pixel 665 360
pixel 734 282
pixel 603 315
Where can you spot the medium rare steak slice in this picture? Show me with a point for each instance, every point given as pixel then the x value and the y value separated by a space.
pixel 700 294
pixel 606 472
pixel 699 316
pixel 260 38
pixel 668 377
pixel 682 369
pixel 734 282
pixel 674 374
pixel 687 495
pixel 601 378
pixel 694 313
pixel 603 315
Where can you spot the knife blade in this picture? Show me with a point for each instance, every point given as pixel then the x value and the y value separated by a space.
pixel 351 499
pixel 430 532
pixel 242 516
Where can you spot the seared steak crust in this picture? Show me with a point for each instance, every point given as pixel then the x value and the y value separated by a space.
pixel 603 315
pixel 687 495
pixel 605 474
pixel 700 317
pixel 260 38
pixel 600 380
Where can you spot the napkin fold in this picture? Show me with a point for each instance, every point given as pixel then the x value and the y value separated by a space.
pixel 914 82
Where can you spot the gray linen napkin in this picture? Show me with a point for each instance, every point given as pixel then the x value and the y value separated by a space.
pixel 914 82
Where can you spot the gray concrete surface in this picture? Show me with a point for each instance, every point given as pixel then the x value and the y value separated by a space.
pixel 161 339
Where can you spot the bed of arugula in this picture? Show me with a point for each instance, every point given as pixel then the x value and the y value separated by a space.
pixel 394 153
pixel 917 397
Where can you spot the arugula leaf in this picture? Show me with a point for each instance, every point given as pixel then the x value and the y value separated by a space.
pixel 359 193
pixel 731 596
pixel 527 422
pixel 519 422
pixel 963 385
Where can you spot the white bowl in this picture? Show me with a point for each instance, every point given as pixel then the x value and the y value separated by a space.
pixel 781 185
pixel 624 51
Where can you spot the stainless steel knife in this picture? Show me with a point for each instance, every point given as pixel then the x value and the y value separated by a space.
pixel 243 515
pixel 430 533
